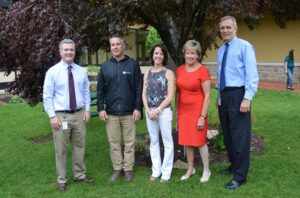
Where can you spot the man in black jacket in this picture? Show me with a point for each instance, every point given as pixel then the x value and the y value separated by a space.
pixel 119 105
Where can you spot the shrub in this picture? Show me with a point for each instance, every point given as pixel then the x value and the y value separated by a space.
pixel 218 141
pixel 93 87
pixel 93 69
pixel 16 100
pixel 153 38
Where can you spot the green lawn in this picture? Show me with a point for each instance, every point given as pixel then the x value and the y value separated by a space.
pixel 28 170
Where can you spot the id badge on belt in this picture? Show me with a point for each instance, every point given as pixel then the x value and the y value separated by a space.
pixel 64 122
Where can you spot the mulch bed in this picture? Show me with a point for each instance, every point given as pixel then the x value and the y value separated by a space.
pixel 4 99
pixel 257 147
pixel 216 155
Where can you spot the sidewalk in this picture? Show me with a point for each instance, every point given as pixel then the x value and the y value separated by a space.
pixel 271 85
pixel 277 86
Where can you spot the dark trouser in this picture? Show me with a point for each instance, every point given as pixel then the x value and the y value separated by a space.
pixel 236 127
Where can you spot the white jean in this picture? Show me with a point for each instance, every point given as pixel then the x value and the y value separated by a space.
pixel 163 124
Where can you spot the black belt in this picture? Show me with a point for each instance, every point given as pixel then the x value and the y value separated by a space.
pixel 68 111
pixel 232 88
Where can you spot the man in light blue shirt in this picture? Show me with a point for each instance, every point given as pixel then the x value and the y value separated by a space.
pixel 66 97
pixel 238 81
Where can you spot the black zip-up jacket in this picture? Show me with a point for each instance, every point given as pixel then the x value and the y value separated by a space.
pixel 119 88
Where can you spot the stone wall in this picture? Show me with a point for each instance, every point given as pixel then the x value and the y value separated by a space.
pixel 266 71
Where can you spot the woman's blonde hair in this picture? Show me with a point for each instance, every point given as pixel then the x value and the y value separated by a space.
pixel 192 44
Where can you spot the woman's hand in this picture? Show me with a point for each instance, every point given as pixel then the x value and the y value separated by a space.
pixel 153 114
pixel 200 124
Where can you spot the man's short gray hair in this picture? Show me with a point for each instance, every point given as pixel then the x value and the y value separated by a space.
pixel 117 36
pixel 65 41
pixel 231 18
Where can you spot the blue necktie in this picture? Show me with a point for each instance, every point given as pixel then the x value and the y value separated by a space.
pixel 222 76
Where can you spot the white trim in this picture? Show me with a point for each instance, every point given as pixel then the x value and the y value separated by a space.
pixel 2 91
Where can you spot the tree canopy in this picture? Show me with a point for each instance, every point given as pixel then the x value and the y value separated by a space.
pixel 29 34
pixel 30 30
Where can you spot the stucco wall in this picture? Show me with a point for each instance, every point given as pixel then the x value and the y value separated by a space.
pixel 131 49
pixel 271 42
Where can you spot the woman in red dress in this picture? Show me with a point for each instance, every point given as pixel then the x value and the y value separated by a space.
pixel 193 85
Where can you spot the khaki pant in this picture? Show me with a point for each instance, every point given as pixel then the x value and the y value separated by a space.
pixel 115 125
pixel 75 134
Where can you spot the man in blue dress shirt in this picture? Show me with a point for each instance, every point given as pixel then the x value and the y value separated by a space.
pixel 67 120
pixel 238 81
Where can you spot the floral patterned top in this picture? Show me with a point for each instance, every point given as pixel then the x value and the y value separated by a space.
pixel 157 87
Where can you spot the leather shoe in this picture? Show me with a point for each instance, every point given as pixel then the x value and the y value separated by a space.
pixel 62 186
pixel 233 184
pixel 116 174
pixel 129 175
pixel 85 180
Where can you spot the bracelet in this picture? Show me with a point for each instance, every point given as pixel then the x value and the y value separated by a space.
pixel 202 117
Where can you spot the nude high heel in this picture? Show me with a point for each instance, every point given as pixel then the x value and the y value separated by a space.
pixel 186 176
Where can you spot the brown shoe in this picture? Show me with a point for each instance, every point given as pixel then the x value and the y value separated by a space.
pixel 85 180
pixel 61 186
pixel 129 175
pixel 116 175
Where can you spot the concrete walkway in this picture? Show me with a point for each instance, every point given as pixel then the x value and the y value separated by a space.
pixel 271 85
pixel 277 86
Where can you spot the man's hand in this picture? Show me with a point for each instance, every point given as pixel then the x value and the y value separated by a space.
pixel 55 123
pixel 103 116
pixel 86 116
pixel 136 115
pixel 245 105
